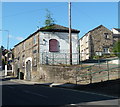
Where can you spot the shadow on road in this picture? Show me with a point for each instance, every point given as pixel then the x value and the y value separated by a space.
pixel 110 87
pixel 39 95
pixel 7 79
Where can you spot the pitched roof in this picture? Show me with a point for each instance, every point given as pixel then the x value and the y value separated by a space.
pixel 58 28
pixel 94 29
pixel 51 28
pixel 117 29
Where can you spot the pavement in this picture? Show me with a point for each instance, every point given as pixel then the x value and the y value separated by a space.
pixel 13 79
pixel 45 84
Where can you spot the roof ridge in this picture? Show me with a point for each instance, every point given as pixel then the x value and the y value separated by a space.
pixel 42 29
pixel 58 28
pixel 94 29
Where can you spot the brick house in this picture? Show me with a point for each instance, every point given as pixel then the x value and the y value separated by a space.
pixel 47 44
pixel 96 42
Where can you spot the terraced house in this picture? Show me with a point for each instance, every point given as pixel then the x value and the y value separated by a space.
pixel 48 45
pixel 97 41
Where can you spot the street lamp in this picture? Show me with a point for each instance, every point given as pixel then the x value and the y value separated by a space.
pixel 8 38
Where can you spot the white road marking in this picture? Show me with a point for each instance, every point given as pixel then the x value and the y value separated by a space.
pixel 90 93
pixel 73 104
pixel 35 94
pixel 10 87
pixel 99 94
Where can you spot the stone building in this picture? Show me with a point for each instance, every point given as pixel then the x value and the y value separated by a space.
pixel 116 34
pixel 45 46
pixel 96 42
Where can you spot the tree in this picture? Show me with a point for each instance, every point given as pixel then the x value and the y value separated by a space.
pixel 2 48
pixel 49 20
pixel 116 48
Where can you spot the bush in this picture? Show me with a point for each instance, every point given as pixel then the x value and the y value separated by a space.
pixel 116 48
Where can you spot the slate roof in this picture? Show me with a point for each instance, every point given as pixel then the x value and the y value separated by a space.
pixel 117 29
pixel 58 28
pixel 52 28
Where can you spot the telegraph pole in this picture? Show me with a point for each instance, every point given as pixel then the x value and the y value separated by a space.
pixel 70 38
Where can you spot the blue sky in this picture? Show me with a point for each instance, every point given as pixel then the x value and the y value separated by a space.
pixel 22 18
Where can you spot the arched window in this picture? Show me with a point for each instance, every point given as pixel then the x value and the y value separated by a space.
pixel 53 45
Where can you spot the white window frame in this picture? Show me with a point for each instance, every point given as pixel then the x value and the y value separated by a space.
pixel 106 50
pixel 106 35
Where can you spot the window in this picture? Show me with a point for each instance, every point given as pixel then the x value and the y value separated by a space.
pixel 106 35
pixel 35 51
pixel 53 45
pixel 106 50
pixel 18 58
pixel 99 53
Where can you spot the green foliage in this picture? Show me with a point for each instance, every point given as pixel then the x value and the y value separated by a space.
pixel 49 20
pixel 116 48
pixel 96 57
pixel 2 48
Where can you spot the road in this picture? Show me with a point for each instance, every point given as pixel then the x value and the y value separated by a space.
pixel 21 94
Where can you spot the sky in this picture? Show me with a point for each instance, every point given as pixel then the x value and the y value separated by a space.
pixel 23 18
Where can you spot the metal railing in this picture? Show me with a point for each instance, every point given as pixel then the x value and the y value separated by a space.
pixel 99 71
pixel 58 58
pixel 88 71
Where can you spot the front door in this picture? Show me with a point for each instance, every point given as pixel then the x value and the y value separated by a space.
pixel 28 70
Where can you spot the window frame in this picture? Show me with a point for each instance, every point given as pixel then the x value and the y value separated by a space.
pixel 106 35
pixel 57 46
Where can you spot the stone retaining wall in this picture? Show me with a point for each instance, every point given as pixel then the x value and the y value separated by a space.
pixel 72 74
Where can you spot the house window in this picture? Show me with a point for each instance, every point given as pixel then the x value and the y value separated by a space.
pixel 53 45
pixel 34 51
pixel 106 50
pixel 99 53
pixel 106 35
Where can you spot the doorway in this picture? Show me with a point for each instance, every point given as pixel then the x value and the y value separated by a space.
pixel 28 70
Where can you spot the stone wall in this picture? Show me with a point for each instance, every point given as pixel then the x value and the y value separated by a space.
pixel 47 73
pixel 74 74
